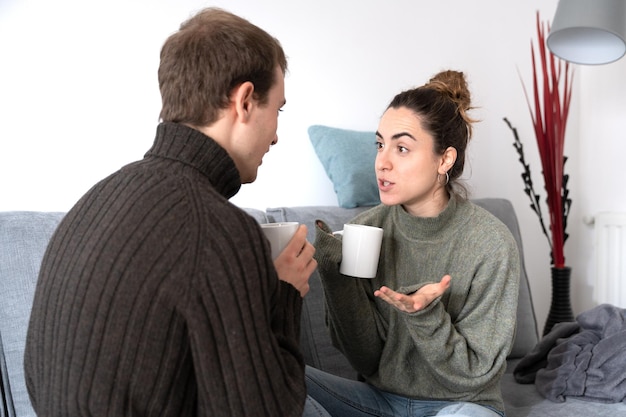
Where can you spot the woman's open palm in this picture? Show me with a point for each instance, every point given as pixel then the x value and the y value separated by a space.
pixel 411 303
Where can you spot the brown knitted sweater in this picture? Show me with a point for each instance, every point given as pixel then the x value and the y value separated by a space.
pixel 158 297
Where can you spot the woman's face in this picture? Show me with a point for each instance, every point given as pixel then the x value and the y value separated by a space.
pixel 408 171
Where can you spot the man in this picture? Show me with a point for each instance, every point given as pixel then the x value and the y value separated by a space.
pixel 156 295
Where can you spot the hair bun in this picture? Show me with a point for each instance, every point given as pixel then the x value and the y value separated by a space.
pixel 453 84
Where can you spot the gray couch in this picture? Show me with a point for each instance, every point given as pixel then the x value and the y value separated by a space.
pixel 24 236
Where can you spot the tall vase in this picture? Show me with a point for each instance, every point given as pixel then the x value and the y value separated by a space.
pixel 560 307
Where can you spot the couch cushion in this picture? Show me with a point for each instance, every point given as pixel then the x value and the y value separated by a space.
pixel 334 216
pixel 259 215
pixel 23 239
pixel 523 400
pixel 348 158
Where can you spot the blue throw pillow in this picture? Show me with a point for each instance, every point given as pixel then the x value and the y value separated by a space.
pixel 348 159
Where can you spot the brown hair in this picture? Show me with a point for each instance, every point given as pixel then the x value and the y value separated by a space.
pixel 442 105
pixel 212 53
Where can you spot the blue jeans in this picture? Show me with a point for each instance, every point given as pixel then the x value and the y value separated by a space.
pixel 313 409
pixel 343 397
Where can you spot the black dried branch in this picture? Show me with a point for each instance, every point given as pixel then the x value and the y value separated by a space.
pixel 528 183
pixel 566 201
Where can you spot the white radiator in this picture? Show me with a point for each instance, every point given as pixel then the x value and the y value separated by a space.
pixel 610 259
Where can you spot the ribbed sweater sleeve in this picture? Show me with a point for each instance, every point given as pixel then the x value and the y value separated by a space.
pixel 157 296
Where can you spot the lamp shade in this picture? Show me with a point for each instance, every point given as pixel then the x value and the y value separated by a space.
pixel 589 31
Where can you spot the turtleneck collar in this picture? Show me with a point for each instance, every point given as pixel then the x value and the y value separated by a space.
pixel 424 227
pixel 193 148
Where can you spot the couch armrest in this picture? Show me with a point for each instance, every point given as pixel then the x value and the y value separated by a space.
pixel 527 334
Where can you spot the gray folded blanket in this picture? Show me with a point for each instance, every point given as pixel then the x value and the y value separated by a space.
pixel 585 359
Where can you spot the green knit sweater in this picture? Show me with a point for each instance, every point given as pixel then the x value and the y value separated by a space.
pixel 456 348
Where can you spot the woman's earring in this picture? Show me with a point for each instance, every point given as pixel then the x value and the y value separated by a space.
pixel 447 178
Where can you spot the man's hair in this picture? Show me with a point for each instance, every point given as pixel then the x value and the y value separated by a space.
pixel 212 53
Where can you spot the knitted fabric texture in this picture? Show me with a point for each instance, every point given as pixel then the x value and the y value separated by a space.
pixel 157 296
pixel 456 348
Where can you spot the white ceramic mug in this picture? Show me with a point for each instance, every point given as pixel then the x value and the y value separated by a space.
pixel 360 250
pixel 279 234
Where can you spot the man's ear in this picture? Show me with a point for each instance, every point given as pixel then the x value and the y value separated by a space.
pixel 243 100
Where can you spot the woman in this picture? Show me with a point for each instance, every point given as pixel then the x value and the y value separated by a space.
pixel 429 335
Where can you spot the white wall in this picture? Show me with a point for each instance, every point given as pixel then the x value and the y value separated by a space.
pixel 79 98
